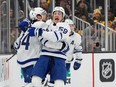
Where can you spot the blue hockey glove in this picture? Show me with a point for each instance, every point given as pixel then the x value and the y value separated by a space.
pixel 35 31
pixel 25 24
pixel 77 64
pixel 31 31
pixel 65 47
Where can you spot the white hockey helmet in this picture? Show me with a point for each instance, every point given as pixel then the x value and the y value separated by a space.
pixel 69 21
pixel 71 24
pixel 58 8
pixel 34 12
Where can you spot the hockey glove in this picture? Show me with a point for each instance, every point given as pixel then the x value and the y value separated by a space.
pixel 65 47
pixel 77 64
pixel 35 31
pixel 31 31
pixel 25 24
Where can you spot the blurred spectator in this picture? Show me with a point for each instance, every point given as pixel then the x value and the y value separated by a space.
pixel 114 25
pixel 45 5
pixel 113 6
pixel 81 8
pixel 110 18
pixel 12 18
pixel 97 16
pixel 32 4
pixel 13 37
pixel 21 5
pixel 66 6
pixel 87 19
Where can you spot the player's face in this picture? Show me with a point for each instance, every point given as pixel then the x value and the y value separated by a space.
pixel 72 26
pixel 39 17
pixel 57 16
pixel 44 17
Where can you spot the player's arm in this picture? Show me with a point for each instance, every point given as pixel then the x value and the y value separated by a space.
pixel 61 45
pixel 49 44
pixel 54 36
pixel 78 54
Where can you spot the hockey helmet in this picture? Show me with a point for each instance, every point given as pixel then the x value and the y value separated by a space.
pixel 34 12
pixel 61 9
pixel 69 21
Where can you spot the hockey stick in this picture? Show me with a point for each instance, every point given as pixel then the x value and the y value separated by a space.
pixel 10 57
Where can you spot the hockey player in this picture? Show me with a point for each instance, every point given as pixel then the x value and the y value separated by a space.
pixel 28 48
pixel 75 48
pixel 51 60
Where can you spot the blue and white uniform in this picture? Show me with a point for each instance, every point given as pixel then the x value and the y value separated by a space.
pixel 55 34
pixel 74 43
pixel 28 52
pixel 75 49
pixel 53 60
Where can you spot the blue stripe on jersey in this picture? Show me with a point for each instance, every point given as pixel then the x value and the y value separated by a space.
pixel 56 35
pixel 41 39
pixel 61 35
pixel 27 61
pixel 55 52
pixel 45 42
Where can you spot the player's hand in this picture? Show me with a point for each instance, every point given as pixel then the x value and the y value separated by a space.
pixel 31 31
pixel 65 47
pixel 77 64
pixel 25 24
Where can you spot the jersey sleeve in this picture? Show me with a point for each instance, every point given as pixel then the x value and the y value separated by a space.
pixel 50 44
pixel 78 47
pixel 62 32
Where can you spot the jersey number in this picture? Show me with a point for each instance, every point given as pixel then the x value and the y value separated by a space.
pixel 64 30
pixel 25 41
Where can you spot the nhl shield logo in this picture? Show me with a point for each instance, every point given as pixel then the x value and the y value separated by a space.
pixel 107 70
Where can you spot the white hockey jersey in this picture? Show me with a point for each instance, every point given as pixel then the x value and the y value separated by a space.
pixel 55 33
pixel 74 43
pixel 29 48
